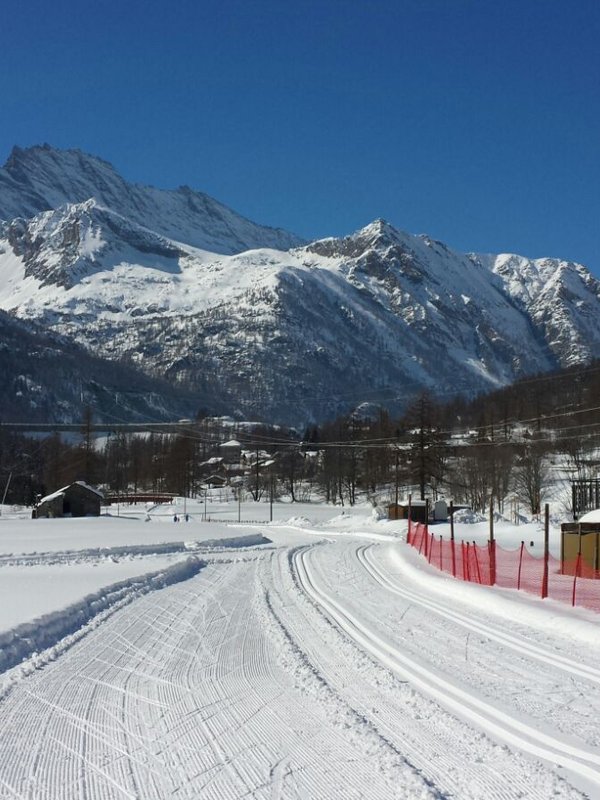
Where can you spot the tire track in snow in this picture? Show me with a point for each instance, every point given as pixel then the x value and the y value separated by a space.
pixel 498 724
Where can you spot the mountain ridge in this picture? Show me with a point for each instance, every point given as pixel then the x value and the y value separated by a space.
pixel 42 178
pixel 291 334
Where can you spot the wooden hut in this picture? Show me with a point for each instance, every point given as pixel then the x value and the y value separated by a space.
pixel 418 510
pixel 582 537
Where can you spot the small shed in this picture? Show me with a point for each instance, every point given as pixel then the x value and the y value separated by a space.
pixel 75 500
pixel 418 511
pixel 581 537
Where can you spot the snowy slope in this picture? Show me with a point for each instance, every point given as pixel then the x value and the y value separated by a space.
pixel 285 335
pixel 561 298
pixel 299 334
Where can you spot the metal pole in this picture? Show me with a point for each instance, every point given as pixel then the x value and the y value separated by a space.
pixel 239 504
pixel 452 538
pixel 271 498
pixel 546 549
pixel 492 546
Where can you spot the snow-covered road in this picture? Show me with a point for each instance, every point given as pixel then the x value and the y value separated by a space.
pixel 317 667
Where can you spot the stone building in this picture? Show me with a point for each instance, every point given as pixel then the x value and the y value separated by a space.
pixel 76 500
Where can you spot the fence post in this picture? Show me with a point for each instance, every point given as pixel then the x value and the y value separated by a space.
pixel 520 564
pixel 422 538
pixel 441 553
pixel 430 547
pixel 546 549
pixel 410 515
pixel 477 563
pixel 427 528
pixel 575 578
pixel 452 538
pixel 492 546
pixel 468 566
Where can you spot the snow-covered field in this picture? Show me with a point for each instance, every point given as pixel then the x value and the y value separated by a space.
pixel 314 657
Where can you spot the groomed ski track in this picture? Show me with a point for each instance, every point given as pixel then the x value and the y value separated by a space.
pixel 318 668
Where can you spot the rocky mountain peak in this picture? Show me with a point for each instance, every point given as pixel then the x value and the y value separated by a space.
pixel 378 235
pixel 42 178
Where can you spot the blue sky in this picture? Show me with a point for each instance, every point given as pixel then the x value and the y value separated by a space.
pixel 477 122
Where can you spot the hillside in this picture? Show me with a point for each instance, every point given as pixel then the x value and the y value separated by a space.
pixel 47 378
pixel 221 306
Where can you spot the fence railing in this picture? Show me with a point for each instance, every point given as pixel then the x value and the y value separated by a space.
pixel 573 582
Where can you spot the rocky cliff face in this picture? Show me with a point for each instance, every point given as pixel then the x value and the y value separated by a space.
pixel 288 335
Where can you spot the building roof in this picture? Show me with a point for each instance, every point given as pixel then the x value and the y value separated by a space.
pixel 61 492
pixel 53 496
pixel 591 516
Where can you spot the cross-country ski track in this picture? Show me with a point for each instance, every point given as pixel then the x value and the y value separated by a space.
pixel 317 666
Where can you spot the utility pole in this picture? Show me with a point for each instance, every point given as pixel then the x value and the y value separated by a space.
pixel 5 491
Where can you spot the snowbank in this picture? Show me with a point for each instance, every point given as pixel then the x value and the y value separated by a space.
pixel 46 631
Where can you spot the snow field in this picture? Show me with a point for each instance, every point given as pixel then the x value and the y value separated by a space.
pixel 324 661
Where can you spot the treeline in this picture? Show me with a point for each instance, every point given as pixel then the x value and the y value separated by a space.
pixel 507 447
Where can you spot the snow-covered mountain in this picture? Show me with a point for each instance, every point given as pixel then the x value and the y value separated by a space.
pixel 284 334
pixel 42 178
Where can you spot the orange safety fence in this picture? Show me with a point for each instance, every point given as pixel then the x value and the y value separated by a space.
pixel 573 582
